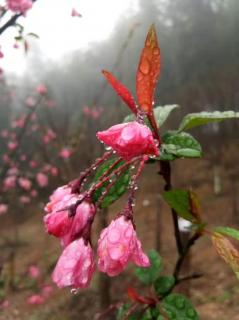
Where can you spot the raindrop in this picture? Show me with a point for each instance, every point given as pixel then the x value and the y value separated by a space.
pixel 107 148
pixel 74 291
pixel 144 66
pixel 94 168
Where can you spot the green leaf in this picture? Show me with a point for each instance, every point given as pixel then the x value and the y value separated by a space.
pixel 161 113
pixel 227 251
pixel 227 231
pixel 180 145
pixel 149 275
pixel 164 285
pixel 117 190
pixel 192 120
pixel 179 200
pixel 178 307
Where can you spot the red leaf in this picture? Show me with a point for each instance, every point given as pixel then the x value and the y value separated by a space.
pixel 121 90
pixel 148 71
pixel 135 297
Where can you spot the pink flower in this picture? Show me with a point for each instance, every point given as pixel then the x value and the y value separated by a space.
pixel 42 179
pixel 12 145
pixel 30 102
pixel 25 183
pixel 23 157
pixel 35 299
pixel 65 153
pixel 9 183
pixel 129 140
pixel 59 224
pixel 83 212
pixel 41 89
pixel 75 266
pixel 34 272
pixel 3 208
pixel 19 6
pixel 54 171
pixel 117 245
pixel 75 13
pixel 56 198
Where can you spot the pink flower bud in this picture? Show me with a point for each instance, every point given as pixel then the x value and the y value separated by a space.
pixel 56 198
pixel 12 145
pixel 41 89
pixel 3 208
pixel 83 212
pixel 118 244
pixel 75 266
pixel 129 140
pixel 9 182
pixel 25 183
pixel 30 102
pixel 42 179
pixel 34 272
pixel 65 153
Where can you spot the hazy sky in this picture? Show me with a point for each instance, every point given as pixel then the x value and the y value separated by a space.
pixel 59 32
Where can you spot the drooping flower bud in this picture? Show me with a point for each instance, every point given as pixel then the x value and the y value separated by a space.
pixel 118 244
pixel 75 266
pixel 129 140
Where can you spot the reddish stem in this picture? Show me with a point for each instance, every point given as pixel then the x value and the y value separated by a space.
pixel 77 184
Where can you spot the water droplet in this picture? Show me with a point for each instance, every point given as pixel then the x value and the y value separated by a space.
pixel 107 148
pixel 74 291
pixel 136 188
pixel 144 66
pixel 94 168
pixel 132 167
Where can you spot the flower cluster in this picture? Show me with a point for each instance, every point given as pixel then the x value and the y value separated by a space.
pixel 72 209
pixel 117 245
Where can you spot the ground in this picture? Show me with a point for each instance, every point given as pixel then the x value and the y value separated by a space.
pixel 215 295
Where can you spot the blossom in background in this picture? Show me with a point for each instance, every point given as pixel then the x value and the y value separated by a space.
pixel 25 183
pixel 9 183
pixel 65 153
pixel 42 179
pixel 41 89
pixel 129 140
pixel 30 101
pixel 118 244
pixel 3 208
pixel 34 271
pixel 12 145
